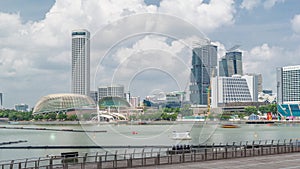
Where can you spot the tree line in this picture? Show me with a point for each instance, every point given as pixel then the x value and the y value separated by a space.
pixel 14 115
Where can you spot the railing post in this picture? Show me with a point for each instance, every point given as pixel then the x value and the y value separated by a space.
pixel 183 156
pixel 157 159
pixel 84 161
pixel 106 156
pixel 296 145
pixel 232 148
pixel 25 165
pixel 51 163
pixel 20 165
pixel 226 150
pixel 96 156
pixel 129 162
pixel 205 154
pixel 290 146
pixel 115 163
pixel 11 164
pixel 212 151
pixel 270 149
pixel 133 153
pixel 245 149
pixel 99 164
pixel 35 165
pixel 143 156
pixel 125 154
pixel 241 149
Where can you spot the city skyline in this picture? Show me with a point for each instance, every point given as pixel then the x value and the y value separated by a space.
pixel 35 50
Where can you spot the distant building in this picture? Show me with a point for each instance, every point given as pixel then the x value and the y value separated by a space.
pixel 259 81
pixel 81 62
pixel 135 101
pixel 110 91
pixel 288 84
pixel 267 91
pixel 288 90
pixel 233 89
pixel 267 97
pixel 21 107
pixel 204 63
pixel 1 100
pixel 231 64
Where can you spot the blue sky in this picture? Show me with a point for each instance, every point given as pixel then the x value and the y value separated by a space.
pixel 35 40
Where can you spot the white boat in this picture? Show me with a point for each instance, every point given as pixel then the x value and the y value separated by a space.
pixel 181 135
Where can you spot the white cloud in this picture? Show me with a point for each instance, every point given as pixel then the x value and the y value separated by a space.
pixel 250 4
pixel 267 4
pixel 40 51
pixel 265 59
pixel 206 17
pixel 296 24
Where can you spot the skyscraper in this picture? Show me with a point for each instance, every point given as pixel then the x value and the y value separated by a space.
pixel 231 64
pixel 81 62
pixel 288 84
pixel 204 62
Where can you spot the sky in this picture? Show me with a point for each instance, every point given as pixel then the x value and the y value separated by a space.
pixel 145 45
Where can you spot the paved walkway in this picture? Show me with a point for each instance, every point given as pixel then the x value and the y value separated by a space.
pixel 279 161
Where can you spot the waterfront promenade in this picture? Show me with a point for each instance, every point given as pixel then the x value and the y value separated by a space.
pixel 278 161
pixel 274 154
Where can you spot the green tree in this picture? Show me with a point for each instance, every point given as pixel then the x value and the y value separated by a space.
pixel 61 116
pixel 250 109
pixel 263 109
pixel 273 108
pixel 52 116
pixel 72 117
pixel 46 116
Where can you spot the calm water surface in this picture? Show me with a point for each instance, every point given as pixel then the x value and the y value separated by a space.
pixel 135 135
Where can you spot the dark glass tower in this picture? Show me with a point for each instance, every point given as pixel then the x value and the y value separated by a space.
pixel 204 62
pixel 231 64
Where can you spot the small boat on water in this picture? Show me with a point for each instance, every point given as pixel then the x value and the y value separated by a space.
pixel 229 126
pixel 181 135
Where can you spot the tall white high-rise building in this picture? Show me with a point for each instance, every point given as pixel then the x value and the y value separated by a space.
pixel 288 84
pixel 81 62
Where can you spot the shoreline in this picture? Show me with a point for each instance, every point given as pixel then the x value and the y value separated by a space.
pixel 147 122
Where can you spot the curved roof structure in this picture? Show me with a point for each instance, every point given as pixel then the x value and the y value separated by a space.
pixel 113 102
pixel 63 103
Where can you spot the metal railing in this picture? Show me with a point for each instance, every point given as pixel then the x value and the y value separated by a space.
pixel 150 157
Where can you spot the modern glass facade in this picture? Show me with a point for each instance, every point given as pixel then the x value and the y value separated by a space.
pixel 62 103
pixel 231 64
pixel 204 62
pixel 288 84
pixel 81 62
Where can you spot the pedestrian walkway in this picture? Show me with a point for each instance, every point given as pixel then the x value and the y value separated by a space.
pixel 278 161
